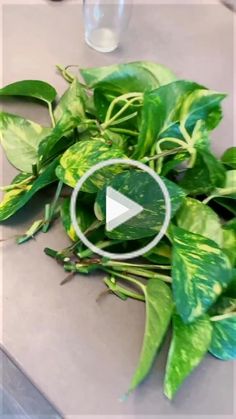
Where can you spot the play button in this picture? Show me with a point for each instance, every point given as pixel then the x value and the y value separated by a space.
pixel 119 208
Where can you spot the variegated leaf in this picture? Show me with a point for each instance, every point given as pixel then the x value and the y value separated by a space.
pixel 84 218
pixel 79 158
pixel 20 139
pixel 200 272
pixel 223 344
pixel 159 307
pixel 190 343
pixel 143 189
pixel 198 218
pixel 16 198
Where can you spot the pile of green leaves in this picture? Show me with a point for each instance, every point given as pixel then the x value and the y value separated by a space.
pixel 140 111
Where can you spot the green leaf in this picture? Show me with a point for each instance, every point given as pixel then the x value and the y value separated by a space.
pixel 141 188
pixel 202 105
pixel 200 272
pixel 207 174
pixel 189 345
pixel 229 157
pixel 20 139
pixel 31 232
pixel 161 110
pixel 122 78
pixel 79 158
pixel 84 218
pixel 72 102
pixel 223 344
pixel 229 244
pixel 198 218
pixel 159 307
pixel 30 88
pixel 16 198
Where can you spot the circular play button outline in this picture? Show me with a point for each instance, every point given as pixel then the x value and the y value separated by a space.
pixel 135 253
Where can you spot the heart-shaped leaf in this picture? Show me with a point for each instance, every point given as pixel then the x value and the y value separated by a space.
pixel 159 307
pixel 79 158
pixel 223 344
pixel 198 218
pixel 73 101
pixel 20 139
pixel 190 343
pixel 24 187
pixel 36 89
pixel 200 272
pixel 129 77
pixel 143 189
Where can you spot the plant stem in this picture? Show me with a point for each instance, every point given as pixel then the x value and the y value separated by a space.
pixel 223 316
pixel 114 287
pixel 124 119
pixel 52 207
pixel 133 96
pixel 124 131
pixel 51 114
pixel 162 154
pixel 136 265
pixel 127 278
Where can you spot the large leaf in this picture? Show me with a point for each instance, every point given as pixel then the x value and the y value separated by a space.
pixel 200 272
pixel 20 139
pixel 73 101
pixel 122 78
pixel 202 105
pixel 229 157
pixel 30 88
pixel 84 218
pixel 159 307
pixel 189 344
pixel 141 188
pixel 17 197
pixel 160 110
pixel 207 174
pixel 196 217
pixel 223 344
pixel 79 158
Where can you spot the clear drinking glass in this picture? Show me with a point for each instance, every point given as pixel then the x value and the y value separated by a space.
pixel 105 22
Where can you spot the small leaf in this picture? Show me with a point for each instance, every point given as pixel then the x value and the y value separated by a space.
pixel 200 272
pixel 229 188
pixel 20 139
pixel 84 218
pixel 159 307
pixel 198 218
pixel 73 101
pixel 79 158
pixel 223 344
pixel 202 105
pixel 141 188
pixel 18 197
pixel 229 157
pixel 190 343
pixel 30 88
pixel 207 174
pixel 31 232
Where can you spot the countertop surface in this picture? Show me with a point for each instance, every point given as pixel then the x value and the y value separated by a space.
pixel 82 353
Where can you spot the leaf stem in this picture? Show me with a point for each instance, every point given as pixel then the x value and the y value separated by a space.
pixel 133 96
pixel 52 207
pixel 127 278
pixel 222 316
pixel 114 287
pixel 51 114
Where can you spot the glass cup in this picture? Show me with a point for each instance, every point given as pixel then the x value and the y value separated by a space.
pixel 105 22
